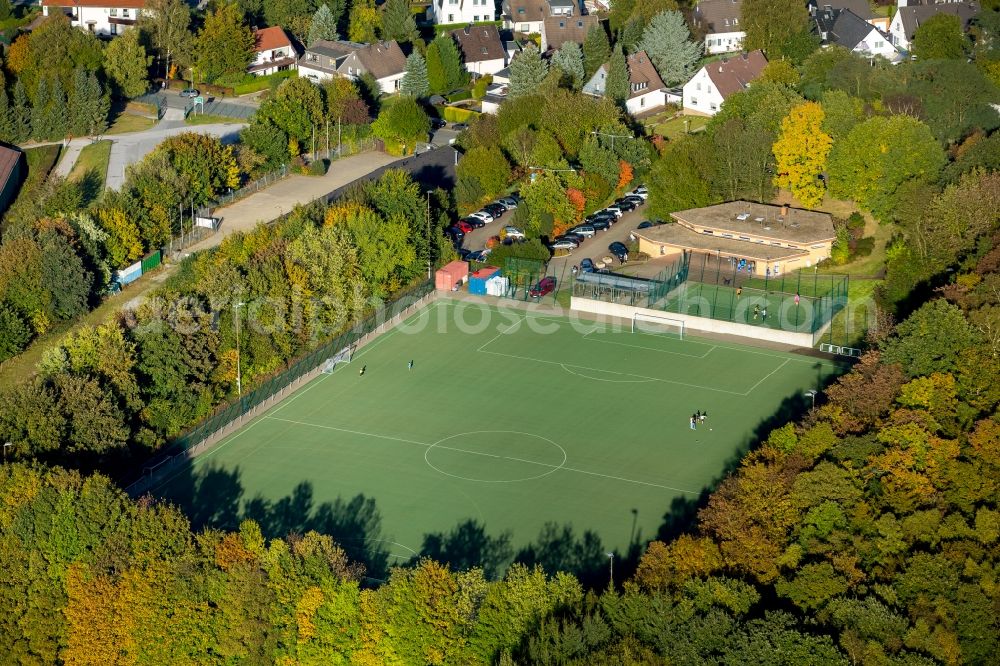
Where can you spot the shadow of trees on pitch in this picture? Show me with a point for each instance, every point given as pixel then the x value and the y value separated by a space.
pixel 214 498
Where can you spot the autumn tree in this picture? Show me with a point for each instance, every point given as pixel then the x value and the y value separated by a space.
pixel 364 23
pixel 225 45
pixel 801 151
pixel 127 65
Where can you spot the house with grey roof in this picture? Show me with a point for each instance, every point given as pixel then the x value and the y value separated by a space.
pixel 908 18
pixel 719 20
pixel 842 27
pixel 321 60
pixel 557 30
pixel 325 60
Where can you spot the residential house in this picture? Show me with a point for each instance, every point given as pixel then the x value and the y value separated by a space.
pixel 557 30
pixel 861 8
pixel 101 17
pixel 842 27
pixel 12 173
pixel 719 20
pixel 273 52
pixel 383 60
pixel 646 90
pixel 321 61
pixel 448 12
pixel 908 18
pixel 771 239
pixel 716 81
pixel 528 16
pixel 482 49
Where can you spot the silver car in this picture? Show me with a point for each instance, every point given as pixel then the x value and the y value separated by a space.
pixel 584 230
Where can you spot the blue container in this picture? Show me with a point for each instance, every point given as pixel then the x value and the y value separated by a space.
pixel 477 281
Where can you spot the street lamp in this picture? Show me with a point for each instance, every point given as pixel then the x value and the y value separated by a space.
pixel 428 214
pixel 812 394
pixel 611 570
pixel 239 374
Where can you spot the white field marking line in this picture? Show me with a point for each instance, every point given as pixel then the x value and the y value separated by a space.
pixel 752 388
pixel 611 372
pixel 193 462
pixel 653 349
pixel 602 379
pixel 743 350
pixel 505 332
pixel 479 453
pixel 395 329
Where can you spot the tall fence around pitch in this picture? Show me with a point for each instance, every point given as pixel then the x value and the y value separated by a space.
pixel 229 418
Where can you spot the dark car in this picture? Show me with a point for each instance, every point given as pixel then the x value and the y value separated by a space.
pixel 437 123
pixel 626 205
pixel 545 286
pixel 634 197
pixel 478 255
pixel 587 265
pixel 495 209
pixel 474 222
pixel 456 236
pixel 619 250
pixel 600 223
pixel 573 237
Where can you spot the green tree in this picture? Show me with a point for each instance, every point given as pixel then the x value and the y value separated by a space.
pixel 204 165
pixel 55 51
pixel 487 170
pixel 323 26
pixel 7 130
pixel 168 25
pixel 225 45
pixel 402 123
pixel 88 105
pixel 296 108
pixel 771 24
pixel 127 65
pixel 841 113
pixel 5 10
pixel 444 65
pixel 21 114
pixel 14 332
pixel 930 340
pixel 287 13
pixel 616 87
pixel 878 156
pixel 596 50
pixel 682 177
pixel 398 22
pixel 569 60
pixel 940 37
pixel 527 71
pixel 667 42
pixel 365 22
pixel 415 81
pixel 955 97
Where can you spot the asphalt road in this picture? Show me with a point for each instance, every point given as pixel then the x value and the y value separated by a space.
pixel 432 169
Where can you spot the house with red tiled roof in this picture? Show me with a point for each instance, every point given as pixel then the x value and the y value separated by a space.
pixel 273 52
pixel 101 17
pixel 705 93
pixel 646 90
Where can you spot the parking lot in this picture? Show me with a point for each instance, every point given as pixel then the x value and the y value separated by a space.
pixel 595 248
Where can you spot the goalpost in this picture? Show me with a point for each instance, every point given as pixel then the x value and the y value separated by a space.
pixel 657 325
pixel 343 356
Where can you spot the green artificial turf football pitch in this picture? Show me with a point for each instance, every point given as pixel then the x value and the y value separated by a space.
pixel 509 418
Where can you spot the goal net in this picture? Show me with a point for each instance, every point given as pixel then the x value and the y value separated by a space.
pixel 343 356
pixel 655 325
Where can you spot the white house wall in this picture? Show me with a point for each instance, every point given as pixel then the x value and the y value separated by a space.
pixel 724 42
pixel 701 95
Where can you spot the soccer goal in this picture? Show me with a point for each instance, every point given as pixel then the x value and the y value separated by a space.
pixel 656 325
pixel 842 351
pixel 343 356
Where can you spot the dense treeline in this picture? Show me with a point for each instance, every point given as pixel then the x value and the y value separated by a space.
pixel 867 533
pixel 130 384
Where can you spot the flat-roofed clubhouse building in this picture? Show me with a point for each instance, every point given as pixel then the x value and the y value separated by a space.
pixel 772 239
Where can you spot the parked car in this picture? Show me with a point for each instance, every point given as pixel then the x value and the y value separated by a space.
pixel 641 191
pixel 509 202
pixel 495 209
pixel 619 250
pixel 587 265
pixel 573 237
pixel 645 225
pixel 460 127
pixel 474 222
pixel 544 286
pixel 511 232
pixel 464 226
pixel 584 230
pixel 190 92
pixel 477 255
pixel 614 210
pixel 625 205
pixel 456 236
pixel 634 197
pixel 482 215
pixel 563 244
pixel 599 223
pixel 437 123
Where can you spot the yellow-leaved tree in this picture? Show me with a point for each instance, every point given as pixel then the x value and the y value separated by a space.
pixel 801 151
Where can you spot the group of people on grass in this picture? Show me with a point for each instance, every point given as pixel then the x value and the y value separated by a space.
pixel 698 417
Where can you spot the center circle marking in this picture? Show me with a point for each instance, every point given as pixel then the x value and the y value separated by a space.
pixel 440 445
